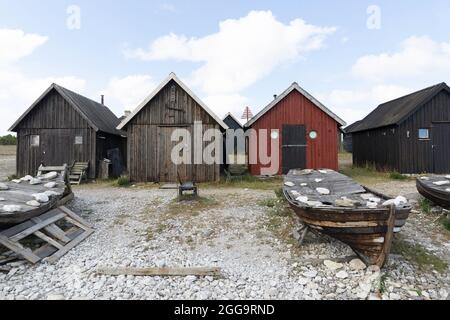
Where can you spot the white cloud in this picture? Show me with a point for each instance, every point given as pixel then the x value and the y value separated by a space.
pixel 353 105
pixel 126 93
pixel 223 104
pixel 242 52
pixel 18 90
pixel 167 7
pixel 16 44
pixel 417 57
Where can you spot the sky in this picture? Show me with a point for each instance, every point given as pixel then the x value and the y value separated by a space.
pixel 350 55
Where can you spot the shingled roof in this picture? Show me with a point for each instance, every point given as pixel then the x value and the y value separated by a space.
pixel 396 111
pixel 99 117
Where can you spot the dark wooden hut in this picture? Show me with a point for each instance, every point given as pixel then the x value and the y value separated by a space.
pixel 347 139
pixel 172 105
pixel 309 131
pixel 61 127
pixel 409 134
pixel 234 159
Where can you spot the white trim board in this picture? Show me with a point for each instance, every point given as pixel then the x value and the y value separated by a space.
pixel 172 76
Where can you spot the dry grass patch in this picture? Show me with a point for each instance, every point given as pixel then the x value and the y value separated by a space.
pixel 7 150
pixel 418 255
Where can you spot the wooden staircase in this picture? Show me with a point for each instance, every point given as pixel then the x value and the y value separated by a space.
pixel 78 172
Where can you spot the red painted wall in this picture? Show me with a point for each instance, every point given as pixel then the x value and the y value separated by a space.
pixel 296 109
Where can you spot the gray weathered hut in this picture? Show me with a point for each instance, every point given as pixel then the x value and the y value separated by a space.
pixel 171 106
pixel 410 134
pixel 62 127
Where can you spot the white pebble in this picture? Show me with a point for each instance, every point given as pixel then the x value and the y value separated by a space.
pixel 323 191
pixel 12 208
pixel 41 197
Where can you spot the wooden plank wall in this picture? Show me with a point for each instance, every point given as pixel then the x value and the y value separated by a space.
pixel 417 155
pixel 377 148
pixel 401 151
pixel 172 107
pixel 54 118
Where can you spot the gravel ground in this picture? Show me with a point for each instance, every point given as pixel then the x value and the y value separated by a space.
pixel 234 230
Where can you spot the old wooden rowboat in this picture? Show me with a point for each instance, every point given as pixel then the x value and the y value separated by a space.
pixel 435 188
pixel 335 205
pixel 29 197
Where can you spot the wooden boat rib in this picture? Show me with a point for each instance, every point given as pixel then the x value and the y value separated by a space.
pixel 367 230
pixel 19 193
pixel 439 194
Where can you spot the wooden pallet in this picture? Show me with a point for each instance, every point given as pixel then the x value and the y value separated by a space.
pixel 57 240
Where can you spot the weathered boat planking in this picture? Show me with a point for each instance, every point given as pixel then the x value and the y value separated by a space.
pixel 18 194
pixel 367 230
pixel 439 194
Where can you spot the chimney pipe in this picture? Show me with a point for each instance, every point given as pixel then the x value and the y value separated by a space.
pixel 274 96
pixel 103 99
pixel 127 113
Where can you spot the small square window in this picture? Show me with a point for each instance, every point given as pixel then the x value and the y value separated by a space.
pixel 78 140
pixel 35 141
pixel 424 134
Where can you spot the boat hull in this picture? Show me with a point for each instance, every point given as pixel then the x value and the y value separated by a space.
pixel 369 234
pixel 439 197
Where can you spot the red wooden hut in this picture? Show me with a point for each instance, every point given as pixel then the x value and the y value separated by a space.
pixel 308 131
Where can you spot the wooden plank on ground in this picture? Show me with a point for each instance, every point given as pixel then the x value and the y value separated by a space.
pixel 75 217
pixel 18 248
pixel 55 257
pixel 161 272
pixel 39 224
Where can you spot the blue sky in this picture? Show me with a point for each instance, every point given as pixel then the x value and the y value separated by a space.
pixel 231 54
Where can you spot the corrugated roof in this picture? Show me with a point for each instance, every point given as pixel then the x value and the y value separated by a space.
pixel 100 117
pixel 396 111
pixel 295 86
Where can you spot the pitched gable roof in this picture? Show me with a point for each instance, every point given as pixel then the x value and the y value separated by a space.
pixel 349 128
pixel 99 117
pixel 172 76
pixel 295 86
pixel 396 111
pixel 232 122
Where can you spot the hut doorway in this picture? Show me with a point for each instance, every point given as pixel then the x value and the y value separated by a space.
pixel 56 147
pixel 168 170
pixel 441 150
pixel 294 147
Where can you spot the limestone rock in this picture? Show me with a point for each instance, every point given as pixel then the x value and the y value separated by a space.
pixel 16 181
pixel 442 183
pixel 41 197
pixel 303 199
pixel 12 208
pixel 357 265
pixel 331 265
pixel 51 175
pixel 33 203
pixel 26 178
pixel 50 185
pixel 342 275
pixel 50 193
pixel 346 203
pixel 35 181
pixel 3 187
pixel 289 184
pixel 324 191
